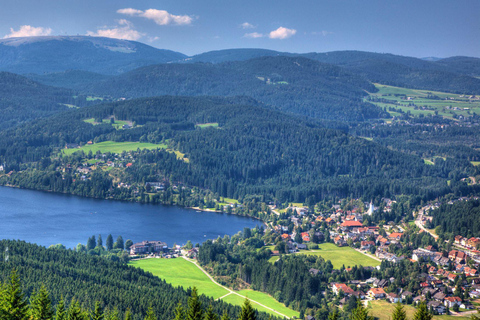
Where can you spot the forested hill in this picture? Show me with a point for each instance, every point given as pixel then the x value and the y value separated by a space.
pixel 96 54
pixel 22 100
pixel 253 151
pixel 87 278
pixel 293 84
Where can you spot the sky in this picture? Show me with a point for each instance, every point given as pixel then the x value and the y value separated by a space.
pixel 419 28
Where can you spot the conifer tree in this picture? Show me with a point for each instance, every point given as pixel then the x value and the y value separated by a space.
pixel 15 306
pixel 109 242
pixel 99 241
pixel 74 311
pixel 41 305
pixel 97 312
pixel 360 312
pixel 225 316
pixel 333 315
pixel 128 315
pixel 179 312
pixel 150 314
pixel 61 313
pixel 247 313
pixel 399 312
pixel 210 315
pixel 422 313
pixel 112 314
pixel 119 243
pixel 195 311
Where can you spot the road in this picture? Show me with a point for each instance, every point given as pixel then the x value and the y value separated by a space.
pixel 230 290
pixel 419 224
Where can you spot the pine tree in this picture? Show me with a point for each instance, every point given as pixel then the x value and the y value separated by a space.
pixel 225 316
pixel 399 312
pixel 41 305
pixel 61 313
pixel 210 315
pixel 150 314
pixel 91 243
pixel 128 315
pixel 97 312
pixel 119 243
pixel 195 311
pixel 360 312
pixel 99 241
pixel 112 315
pixel 179 312
pixel 74 311
pixel 247 313
pixel 109 242
pixel 422 313
pixel 15 306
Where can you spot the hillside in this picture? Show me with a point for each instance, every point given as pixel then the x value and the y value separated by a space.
pixel 72 79
pixel 273 154
pixel 90 278
pixel 293 84
pixel 95 54
pixel 22 100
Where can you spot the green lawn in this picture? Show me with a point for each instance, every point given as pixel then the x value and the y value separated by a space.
pixel 180 272
pixel 382 310
pixel 341 256
pixel 114 147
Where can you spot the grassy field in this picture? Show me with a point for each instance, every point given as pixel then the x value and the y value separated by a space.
pixel 382 310
pixel 341 256
pixel 114 147
pixel 118 124
pixel 180 272
pixel 445 105
pixel 207 125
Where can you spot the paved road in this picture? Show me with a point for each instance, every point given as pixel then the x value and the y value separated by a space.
pixel 230 290
pixel 417 222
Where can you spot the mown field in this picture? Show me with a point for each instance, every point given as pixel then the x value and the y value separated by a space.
pixel 114 147
pixel 444 105
pixel 382 310
pixel 180 272
pixel 341 256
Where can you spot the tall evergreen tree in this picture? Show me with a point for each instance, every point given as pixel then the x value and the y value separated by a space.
pixel 399 312
pixel 41 305
pixel 109 242
pixel 119 243
pixel 247 313
pixel 225 316
pixel 61 313
pixel 422 312
pixel 210 315
pixel 112 314
pixel 74 311
pixel 360 313
pixel 15 306
pixel 97 312
pixel 128 315
pixel 99 241
pixel 179 312
pixel 91 243
pixel 150 314
pixel 195 311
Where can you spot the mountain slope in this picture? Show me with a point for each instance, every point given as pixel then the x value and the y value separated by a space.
pixel 59 53
pixel 293 84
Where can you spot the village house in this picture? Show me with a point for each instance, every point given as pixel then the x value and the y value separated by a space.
pixel 394 298
pixel 437 307
pixel 337 287
pixel 457 256
pixel 451 301
pixel 145 247
pixel 376 293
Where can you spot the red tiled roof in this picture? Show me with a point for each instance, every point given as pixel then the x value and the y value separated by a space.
pixel 352 224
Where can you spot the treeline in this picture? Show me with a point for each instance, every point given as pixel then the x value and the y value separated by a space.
pixel 292 84
pixel 461 218
pixel 87 279
pixel 271 154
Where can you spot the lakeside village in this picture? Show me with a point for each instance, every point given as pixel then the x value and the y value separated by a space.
pixel 450 282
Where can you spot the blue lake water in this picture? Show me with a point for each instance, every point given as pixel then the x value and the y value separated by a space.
pixel 48 218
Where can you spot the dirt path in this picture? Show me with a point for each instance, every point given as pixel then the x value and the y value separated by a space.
pixel 230 290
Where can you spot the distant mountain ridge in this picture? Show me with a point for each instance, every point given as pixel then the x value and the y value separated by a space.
pixel 95 54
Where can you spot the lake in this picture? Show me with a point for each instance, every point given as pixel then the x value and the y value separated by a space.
pixel 47 218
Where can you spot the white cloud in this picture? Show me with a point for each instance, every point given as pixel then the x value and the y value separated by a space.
pixel 253 35
pixel 247 25
pixel 282 33
pixel 28 31
pixel 125 33
pixel 323 33
pixel 161 17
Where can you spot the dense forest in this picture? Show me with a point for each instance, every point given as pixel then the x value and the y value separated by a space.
pixel 461 218
pixel 86 279
pixel 272 154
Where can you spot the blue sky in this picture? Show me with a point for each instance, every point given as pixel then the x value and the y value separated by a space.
pixel 420 28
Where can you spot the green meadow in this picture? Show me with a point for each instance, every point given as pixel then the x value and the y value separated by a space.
pixel 183 273
pixel 114 147
pixel 341 256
